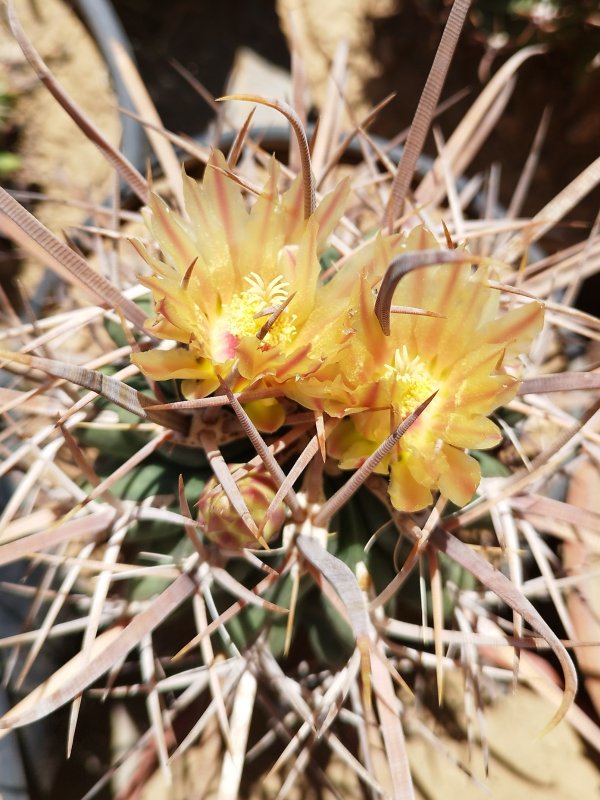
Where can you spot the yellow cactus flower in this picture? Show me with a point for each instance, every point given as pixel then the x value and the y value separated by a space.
pixel 464 352
pixel 225 271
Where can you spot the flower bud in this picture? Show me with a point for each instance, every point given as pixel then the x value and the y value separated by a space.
pixel 223 524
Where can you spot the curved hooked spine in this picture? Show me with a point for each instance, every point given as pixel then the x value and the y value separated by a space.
pixel 292 117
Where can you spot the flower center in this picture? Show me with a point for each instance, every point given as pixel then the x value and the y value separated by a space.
pixel 247 312
pixel 411 382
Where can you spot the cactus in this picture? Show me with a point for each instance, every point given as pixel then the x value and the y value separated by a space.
pixel 286 412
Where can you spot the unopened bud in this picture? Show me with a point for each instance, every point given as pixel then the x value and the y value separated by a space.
pixel 223 524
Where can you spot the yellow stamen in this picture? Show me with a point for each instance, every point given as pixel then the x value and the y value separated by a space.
pixel 243 315
pixel 411 382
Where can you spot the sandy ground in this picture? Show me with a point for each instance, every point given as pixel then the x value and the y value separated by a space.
pixel 55 154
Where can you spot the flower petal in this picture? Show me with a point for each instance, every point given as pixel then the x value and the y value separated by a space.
pixel 292 204
pixel 516 329
pixel 330 209
pixel 163 365
pixel 475 431
pixel 264 236
pixel 194 390
pixel 301 270
pixel 406 493
pixel 165 226
pixel 462 477
pixel 268 414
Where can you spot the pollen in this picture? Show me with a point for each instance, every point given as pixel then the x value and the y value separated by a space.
pixel 411 382
pixel 248 311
